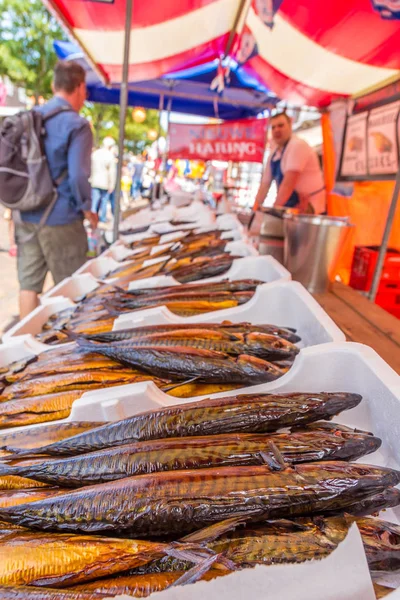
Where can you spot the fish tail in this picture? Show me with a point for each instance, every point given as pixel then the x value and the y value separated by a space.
pixel 8 470
pixel 211 533
pixel 88 345
pixel 17 452
pixel 71 334
pixel 197 572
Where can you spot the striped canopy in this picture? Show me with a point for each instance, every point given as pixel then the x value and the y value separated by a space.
pixel 314 52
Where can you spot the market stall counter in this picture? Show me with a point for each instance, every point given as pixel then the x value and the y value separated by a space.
pixel 364 322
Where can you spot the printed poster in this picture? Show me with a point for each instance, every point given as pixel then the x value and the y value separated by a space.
pixel 371 146
pixel 382 140
pixel 354 161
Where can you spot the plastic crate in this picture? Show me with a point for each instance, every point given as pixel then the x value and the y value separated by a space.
pixel 389 299
pixel 363 267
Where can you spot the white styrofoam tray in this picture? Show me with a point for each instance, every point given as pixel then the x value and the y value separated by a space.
pixel 33 323
pixel 198 226
pixel 98 267
pixel 147 216
pixel 286 304
pixel 120 252
pixel 263 268
pixel 196 211
pixel 260 267
pixel 331 367
pixel 101 266
pixel 74 287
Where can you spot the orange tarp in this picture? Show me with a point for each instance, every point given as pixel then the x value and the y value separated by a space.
pixel 367 208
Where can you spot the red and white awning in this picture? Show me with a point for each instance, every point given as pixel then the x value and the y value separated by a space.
pixel 317 50
pixel 166 35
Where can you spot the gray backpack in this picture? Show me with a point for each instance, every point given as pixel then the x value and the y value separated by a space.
pixel 25 180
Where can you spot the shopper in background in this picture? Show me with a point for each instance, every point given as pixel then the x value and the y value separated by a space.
pixel 59 246
pixel 136 168
pixel 295 168
pixel 103 179
pixel 126 185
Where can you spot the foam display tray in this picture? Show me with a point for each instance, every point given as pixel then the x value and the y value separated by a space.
pixel 263 268
pixel 287 304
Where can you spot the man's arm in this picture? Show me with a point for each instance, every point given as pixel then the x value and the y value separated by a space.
pixel 264 187
pixel 287 187
pixel 79 168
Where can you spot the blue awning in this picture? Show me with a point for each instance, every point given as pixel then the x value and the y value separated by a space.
pixel 186 91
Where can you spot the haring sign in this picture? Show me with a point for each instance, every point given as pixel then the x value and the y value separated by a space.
pixel 235 140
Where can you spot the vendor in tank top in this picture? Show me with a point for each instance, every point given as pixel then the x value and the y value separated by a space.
pixel 295 168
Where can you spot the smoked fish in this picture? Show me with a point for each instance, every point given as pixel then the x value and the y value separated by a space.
pixel 24 592
pixel 176 502
pixel 183 362
pixel 60 560
pixel 234 329
pixel 197 453
pixel 246 413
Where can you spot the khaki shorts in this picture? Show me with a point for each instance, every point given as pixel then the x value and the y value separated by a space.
pixel 60 249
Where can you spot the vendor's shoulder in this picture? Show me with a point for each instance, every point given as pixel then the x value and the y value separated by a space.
pixel 297 142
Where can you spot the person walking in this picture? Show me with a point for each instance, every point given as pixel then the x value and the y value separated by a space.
pixel 295 168
pixel 104 175
pixel 137 167
pixel 60 245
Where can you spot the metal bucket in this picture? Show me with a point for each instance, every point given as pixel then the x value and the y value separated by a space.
pixel 312 247
pixel 272 226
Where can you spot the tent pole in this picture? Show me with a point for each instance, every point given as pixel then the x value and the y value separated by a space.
pixel 165 157
pixel 385 240
pixel 123 101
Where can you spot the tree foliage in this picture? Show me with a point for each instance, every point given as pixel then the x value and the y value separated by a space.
pixel 27 31
pixel 27 57
pixel 105 122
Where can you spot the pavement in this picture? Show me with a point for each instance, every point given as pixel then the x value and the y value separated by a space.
pixel 9 282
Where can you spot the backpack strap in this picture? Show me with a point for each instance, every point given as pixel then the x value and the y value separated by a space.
pixel 57 182
pixel 56 111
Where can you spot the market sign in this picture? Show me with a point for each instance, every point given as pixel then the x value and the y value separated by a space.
pixel 239 141
pixel 371 144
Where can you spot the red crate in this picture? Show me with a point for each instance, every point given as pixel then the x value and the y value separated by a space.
pixel 389 300
pixel 363 267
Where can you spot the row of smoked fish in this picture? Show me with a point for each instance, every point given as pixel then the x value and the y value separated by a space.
pixel 182 360
pixel 194 257
pixel 187 493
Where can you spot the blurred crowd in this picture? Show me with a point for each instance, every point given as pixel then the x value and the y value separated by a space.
pixel 103 179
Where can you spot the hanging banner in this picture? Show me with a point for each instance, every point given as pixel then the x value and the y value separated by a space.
pixel 239 141
pixel 371 144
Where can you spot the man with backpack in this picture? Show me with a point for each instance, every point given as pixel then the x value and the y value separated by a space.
pixel 44 177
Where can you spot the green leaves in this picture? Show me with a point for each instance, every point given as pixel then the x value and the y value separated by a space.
pixel 27 32
pixel 105 122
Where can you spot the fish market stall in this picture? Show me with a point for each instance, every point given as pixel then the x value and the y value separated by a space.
pixel 167 446
pixel 364 322
pixel 234 444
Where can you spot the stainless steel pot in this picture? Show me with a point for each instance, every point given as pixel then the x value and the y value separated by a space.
pixel 272 223
pixel 312 246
